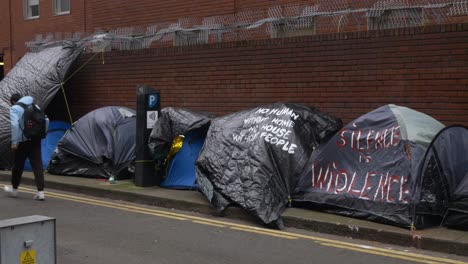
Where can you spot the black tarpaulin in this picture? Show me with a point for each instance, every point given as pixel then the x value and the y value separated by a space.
pixel 251 158
pixel 38 74
pixel 172 123
pixel 100 144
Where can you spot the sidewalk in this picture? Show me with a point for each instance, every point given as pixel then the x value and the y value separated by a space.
pixel 434 239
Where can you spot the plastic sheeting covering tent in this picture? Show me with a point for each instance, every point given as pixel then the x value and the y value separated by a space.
pixel 252 158
pixel 55 132
pixel 38 74
pixel 369 169
pixel 443 182
pixel 174 122
pixel 100 144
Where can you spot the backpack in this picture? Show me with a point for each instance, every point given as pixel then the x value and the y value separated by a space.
pixel 34 118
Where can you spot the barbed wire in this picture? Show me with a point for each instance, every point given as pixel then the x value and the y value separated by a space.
pixel 324 16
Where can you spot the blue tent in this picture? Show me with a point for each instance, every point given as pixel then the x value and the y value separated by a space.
pixel 55 132
pixel 181 173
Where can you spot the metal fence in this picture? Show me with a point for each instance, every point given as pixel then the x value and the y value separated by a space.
pixel 320 17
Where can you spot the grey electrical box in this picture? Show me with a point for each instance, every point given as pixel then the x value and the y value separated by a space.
pixel 28 240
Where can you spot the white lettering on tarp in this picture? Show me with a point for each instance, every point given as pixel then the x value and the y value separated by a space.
pixel 245 137
pixel 253 129
pixel 279 132
pixel 370 186
pixel 282 122
pixel 278 112
pixel 279 142
pixel 275 131
pixel 255 120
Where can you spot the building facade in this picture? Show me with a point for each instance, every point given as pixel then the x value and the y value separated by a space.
pixel 344 57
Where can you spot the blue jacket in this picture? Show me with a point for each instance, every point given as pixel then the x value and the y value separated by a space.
pixel 16 119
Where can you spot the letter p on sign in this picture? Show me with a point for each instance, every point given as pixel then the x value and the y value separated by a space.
pixel 152 100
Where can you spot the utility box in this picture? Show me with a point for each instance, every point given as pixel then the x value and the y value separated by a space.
pixel 148 112
pixel 28 240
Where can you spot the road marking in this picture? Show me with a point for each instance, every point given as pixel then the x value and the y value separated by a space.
pixel 109 205
pixel 382 254
pixel 207 223
pixel 275 233
pixel 250 230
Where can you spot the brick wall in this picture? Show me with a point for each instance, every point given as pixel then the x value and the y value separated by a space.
pixel 346 74
pixel 5 33
pixel 5 25
pixel 89 15
pixel 24 30
pixel 122 13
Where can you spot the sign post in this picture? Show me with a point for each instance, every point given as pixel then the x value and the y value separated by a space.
pixel 148 111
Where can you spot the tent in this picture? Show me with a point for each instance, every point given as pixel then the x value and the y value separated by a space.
pixel 370 168
pixel 443 182
pixel 177 160
pixel 252 158
pixel 457 211
pixel 55 132
pixel 100 144
pixel 38 74
pixel 181 173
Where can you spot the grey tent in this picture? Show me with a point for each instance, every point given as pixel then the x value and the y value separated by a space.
pixel 443 181
pixel 370 168
pixel 100 144
pixel 38 74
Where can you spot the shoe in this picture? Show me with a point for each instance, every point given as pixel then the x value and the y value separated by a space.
pixel 10 191
pixel 39 196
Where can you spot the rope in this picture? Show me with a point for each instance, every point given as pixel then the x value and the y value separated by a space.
pixel 69 77
pixel 81 67
pixel 66 103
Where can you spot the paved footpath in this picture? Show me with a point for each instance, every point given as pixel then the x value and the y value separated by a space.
pixel 437 239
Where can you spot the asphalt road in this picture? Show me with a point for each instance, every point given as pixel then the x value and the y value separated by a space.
pixel 96 230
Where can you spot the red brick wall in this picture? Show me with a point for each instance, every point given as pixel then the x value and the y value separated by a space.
pixel 26 30
pixel 345 74
pixel 122 13
pixel 5 32
pixel 89 15
pixel 5 25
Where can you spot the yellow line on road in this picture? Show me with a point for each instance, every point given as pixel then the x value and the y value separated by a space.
pixel 250 230
pixel 96 202
pixel 382 254
pixel 391 252
pixel 264 231
pixel 207 223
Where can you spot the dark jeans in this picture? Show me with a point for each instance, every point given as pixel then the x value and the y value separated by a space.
pixel 28 149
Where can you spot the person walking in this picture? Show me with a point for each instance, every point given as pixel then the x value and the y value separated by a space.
pixel 24 146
